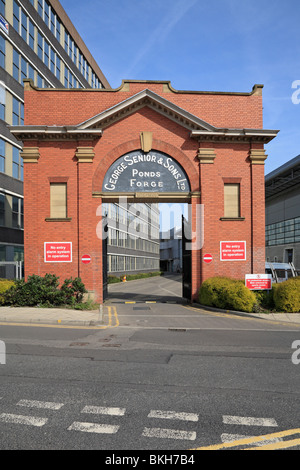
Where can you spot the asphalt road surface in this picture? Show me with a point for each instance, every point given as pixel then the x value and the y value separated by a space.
pixel 161 376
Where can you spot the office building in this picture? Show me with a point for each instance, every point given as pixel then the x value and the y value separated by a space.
pixel 133 238
pixel 282 188
pixel 38 42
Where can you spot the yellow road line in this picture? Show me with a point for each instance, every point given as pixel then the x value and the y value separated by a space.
pixel 278 445
pixel 253 440
pixel 110 317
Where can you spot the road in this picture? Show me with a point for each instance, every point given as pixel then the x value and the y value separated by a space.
pixel 161 377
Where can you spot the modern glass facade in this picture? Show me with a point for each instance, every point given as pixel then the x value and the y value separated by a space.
pixel 39 42
pixel 287 231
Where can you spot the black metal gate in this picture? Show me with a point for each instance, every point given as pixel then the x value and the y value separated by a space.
pixel 186 260
pixel 104 256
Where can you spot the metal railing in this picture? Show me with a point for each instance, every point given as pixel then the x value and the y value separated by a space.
pixel 11 270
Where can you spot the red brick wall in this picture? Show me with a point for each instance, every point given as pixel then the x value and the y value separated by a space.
pixel 57 159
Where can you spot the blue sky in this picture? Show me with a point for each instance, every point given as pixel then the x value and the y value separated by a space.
pixel 220 45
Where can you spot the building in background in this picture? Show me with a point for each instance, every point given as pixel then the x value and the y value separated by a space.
pixel 37 41
pixel 133 238
pixel 282 187
pixel 171 250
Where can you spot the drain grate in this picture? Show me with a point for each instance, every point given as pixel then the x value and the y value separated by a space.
pixel 141 308
pixel 176 329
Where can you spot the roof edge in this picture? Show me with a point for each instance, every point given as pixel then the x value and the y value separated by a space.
pixel 256 89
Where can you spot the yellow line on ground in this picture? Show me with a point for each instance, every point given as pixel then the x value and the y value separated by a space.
pixel 117 323
pixel 112 312
pixel 278 445
pixel 253 440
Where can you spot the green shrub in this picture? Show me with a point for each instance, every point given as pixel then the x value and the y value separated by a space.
pixel 113 279
pixel 227 294
pixel 5 284
pixel 44 291
pixel 265 299
pixel 287 296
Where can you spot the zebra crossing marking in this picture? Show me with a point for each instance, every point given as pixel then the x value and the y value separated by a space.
pixel 104 410
pixel 20 419
pixel 173 415
pixel 93 428
pixel 40 404
pixel 244 421
pixel 169 434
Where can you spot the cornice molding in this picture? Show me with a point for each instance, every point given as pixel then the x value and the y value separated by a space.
pixel 93 127
pixel 57 133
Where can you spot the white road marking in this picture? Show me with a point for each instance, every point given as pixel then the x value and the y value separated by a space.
pixel 20 419
pixel 240 420
pixel 173 415
pixel 169 434
pixel 93 427
pixel 40 404
pixel 104 410
pixel 238 437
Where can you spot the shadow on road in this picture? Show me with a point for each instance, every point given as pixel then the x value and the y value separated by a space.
pixel 166 288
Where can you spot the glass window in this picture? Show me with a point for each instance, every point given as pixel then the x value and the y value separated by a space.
pixel 17 212
pixel 31 34
pixel 23 69
pixel 16 16
pixel 40 81
pixel 16 65
pixel 40 45
pixel 17 164
pixel 58 65
pixel 40 8
pixel 2 8
pixel 2 156
pixel 2 52
pixel 18 112
pixel 30 72
pixel 52 61
pixel 2 209
pixel 47 13
pixel 24 25
pixel 58 28
pixel 46 53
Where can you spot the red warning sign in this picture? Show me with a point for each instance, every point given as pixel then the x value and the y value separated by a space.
pixel 233 251
pixel 86 259
pixel 207 258
pixel 58 252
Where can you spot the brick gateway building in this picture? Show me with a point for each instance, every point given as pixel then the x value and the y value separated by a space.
pixel 145 142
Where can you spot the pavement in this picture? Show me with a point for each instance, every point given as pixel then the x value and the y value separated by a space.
pixel 51 316
pixel 98 318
